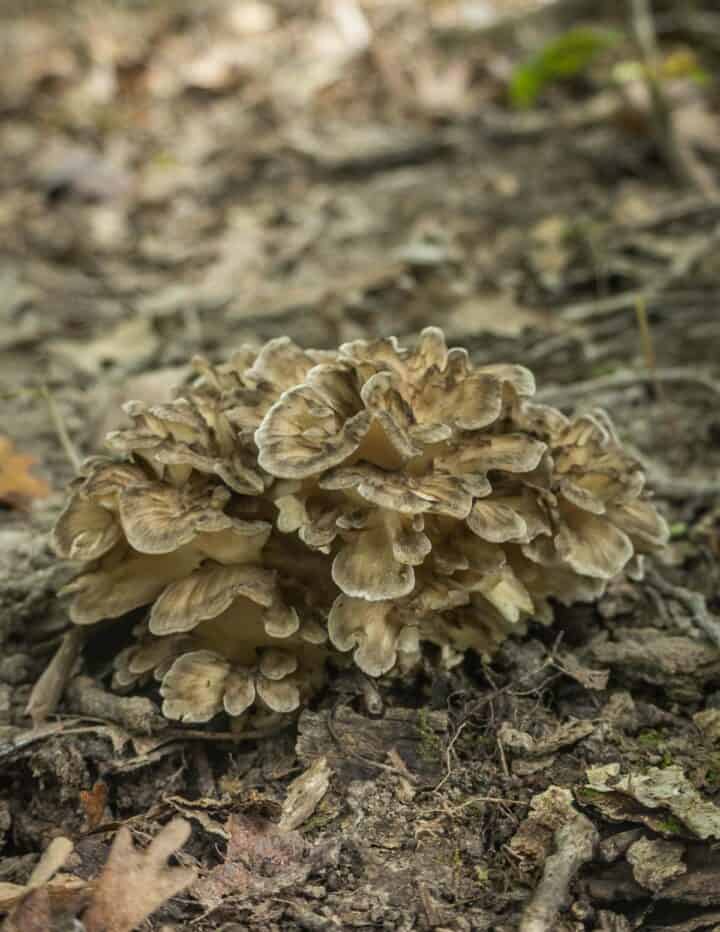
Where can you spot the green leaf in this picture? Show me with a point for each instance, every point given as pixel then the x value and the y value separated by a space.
pixel 563 57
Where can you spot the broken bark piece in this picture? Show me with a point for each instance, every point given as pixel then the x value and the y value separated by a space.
pixel 356 747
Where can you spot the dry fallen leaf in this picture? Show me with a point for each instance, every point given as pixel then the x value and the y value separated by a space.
pixel 655 862
pixel 135 883
pixel 32 914
pixel 663 798
pixel 17 485
pixel 45 891
pixel 93 802
pixel 132 885
pixel 261 860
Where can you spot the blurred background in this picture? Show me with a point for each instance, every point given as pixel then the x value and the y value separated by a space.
pixel 538 178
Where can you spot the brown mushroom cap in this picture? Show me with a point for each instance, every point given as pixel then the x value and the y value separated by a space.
pixel 292 505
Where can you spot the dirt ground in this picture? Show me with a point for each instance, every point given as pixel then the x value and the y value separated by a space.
pixel 182 179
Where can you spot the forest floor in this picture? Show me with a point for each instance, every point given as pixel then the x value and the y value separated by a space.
pixel 186 178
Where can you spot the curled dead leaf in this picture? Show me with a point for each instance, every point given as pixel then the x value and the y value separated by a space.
pixel 18 486
pixel 136 882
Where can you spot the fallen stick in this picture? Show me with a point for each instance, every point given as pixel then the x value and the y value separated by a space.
pixel 575 844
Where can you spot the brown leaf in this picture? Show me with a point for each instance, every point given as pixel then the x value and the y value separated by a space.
pixel 45 893
pixel 261 860
pixel 17 485
pixel 93 802
pixel 587 677
pixel 135 883
pixel 32 913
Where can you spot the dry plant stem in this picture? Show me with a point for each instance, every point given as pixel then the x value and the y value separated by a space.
pixel 686 209
pixel 19 742
pixel 575 844
pixel 677 154
pixel 448 755
pixel 61 430
pixel 473 800
pixel 694 602
pixel 646 341
pixel 249 734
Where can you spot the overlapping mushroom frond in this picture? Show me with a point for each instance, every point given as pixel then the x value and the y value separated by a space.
pixel 293 506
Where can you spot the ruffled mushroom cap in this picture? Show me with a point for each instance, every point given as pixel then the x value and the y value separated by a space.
pixel 290 506
pixel 202 683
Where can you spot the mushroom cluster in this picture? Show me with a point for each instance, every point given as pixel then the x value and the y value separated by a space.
pixel 292 507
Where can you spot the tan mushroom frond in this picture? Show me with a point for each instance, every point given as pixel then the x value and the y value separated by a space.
pixel 592 545
pixel 193 689
pixel 280 696
pixel 160 518
pixel 206 593
pixel 302 435
pixel 647 529
pixel 239 693
pixel 238 542
pixel 122 581
pixel 433 493
pixel 377 563
pixel 293 506
pixel 84 530
pixel 365 626
pixel 280 363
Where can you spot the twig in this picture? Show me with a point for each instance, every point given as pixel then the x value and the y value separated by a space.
pixel 134 713
pixel 428 906
pixel 503 758
pixel 575 844
pixel 694 602
pixel 17 743
pixel 682 264
pixel 678 156
pixel 498 800
pixel 646 342
pixel 448 755
pixel 627 378
pixel 676 211
pixel 61 430
pixel 518 127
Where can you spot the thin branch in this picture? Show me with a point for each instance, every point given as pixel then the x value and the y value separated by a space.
pixel 682 264
pixel 694 602
pixel 575 844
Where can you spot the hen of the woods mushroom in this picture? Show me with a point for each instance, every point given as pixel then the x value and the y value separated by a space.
pixel 292 507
